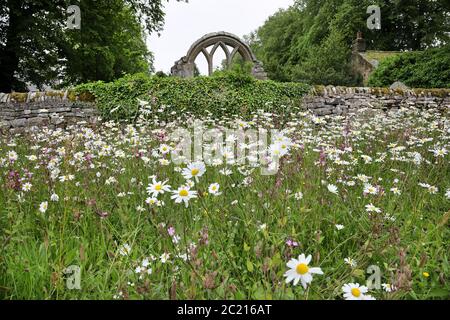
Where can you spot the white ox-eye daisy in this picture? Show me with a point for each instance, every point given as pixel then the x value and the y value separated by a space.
pixel 125 249
pixel 43 207
pixel 332 188
pixel 164 149
pixel 370 189
pixel 300 271
pixel 194 170
pixel 26 187
pixel 183 194
pixel 354 291
pixel 371 208
pixel 214 189
pixel 157 187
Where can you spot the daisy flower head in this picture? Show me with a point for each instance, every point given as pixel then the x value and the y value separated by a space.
pixel 354 291
pixel 43 207
pixel 152 201
pixel 214 189
pixel 125 250
pixel 183 194
pixel 164 149
pixel 164 257
pixel 298 196
pixel 283 144
pixel 351 262
pixel 440 152
pixel 157 187
pixel 372 208
pixel 388 287
pixel 276 151
pixel 164 162
pixel 433 190
pixel 370 189
pixel 332 188
pixel 194 170
pixel 26 187
pixel 300 271
pixel 12 156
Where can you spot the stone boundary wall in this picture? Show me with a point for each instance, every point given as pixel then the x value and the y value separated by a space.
pixel 52 109
pixel 61 108
pixel 343 100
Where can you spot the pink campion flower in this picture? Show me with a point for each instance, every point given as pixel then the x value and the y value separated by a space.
pixel 13 180
pixel 291 243
pixel 204 237
pixel 161 136
pixel 347 130
pixel 171 231
pixel 102 214
pixel 88 157
pixel 322 158
pixel 138 153
pixel 28 174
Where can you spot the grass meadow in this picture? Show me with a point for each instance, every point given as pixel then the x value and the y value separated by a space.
pixel 368 191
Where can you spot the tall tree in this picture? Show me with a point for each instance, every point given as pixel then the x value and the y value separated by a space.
pixel 35 45
pixel 109 44
pixel 311 41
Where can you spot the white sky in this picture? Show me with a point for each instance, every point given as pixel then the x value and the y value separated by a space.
pixel 187 22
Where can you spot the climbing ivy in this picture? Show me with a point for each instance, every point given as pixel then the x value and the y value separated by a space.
pixel 222 94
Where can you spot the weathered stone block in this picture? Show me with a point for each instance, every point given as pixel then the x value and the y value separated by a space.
pixel 18 122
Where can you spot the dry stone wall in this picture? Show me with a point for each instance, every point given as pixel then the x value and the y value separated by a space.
pixel 343 100
pixel 62 108
pixel 52 109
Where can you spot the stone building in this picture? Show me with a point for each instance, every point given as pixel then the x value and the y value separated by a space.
pixel 364 62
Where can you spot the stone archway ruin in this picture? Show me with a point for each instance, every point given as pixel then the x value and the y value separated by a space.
pixel 185 67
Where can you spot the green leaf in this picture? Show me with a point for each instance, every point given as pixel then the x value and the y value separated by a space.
pixel 250 267
pixel 439 293
pixel 358 273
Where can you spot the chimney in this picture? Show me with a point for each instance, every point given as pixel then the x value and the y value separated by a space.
pixel 359 45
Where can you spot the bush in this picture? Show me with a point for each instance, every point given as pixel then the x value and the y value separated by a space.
pixel 420 69
pixel 222 94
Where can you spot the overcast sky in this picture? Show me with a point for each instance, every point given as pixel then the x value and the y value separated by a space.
pixel 187 22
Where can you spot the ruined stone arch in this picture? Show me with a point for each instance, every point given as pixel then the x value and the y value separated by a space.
pixel 185 66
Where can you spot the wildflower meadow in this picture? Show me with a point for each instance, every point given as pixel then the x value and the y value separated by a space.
pixel 357 208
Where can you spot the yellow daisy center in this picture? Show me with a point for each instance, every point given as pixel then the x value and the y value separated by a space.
pixel 184 193
pixel 356 292
pixel 302 269
pixel 158 187
pixel 194 172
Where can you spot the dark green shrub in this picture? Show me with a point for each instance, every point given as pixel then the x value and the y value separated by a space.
pixel 222 94
pixel 419 69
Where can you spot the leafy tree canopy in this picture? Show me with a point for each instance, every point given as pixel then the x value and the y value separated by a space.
pixel 36 46
pixel 418 69
pixel 311 41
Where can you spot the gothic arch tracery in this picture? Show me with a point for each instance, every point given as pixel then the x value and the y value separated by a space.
pixel 185 66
